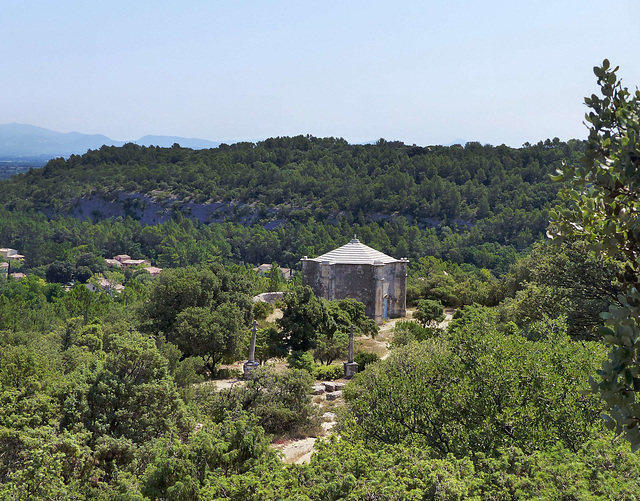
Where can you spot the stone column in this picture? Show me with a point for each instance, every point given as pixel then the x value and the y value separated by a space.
pixel 251 365
pixel 350 367
pixel 378 270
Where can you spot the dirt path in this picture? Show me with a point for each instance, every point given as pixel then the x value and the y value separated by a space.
pixel 297 451
pixel 448 315
pixel 274 316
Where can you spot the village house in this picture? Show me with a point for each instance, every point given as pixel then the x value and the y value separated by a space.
pixel 263 269
pixel 12 254
pixel 125 261
pixel 359 272
pixel 105 284
pixel 153 270
pixel 135 262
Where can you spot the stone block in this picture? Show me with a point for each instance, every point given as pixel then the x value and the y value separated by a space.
pixel 329 386
pixel 249 367
pixel 350 369
pixel 318 389
pixel 334 395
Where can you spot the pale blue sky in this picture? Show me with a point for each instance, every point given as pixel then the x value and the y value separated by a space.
pixel 422 72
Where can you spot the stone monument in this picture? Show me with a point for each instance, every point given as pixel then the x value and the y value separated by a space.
pixel 350 367
pixel 359 272
pixel 251 364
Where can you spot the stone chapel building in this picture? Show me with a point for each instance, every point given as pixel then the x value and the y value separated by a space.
pixel 359 272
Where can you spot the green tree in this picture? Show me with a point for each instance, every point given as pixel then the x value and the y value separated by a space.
pixel 478 390
pixel 275 278
pixel 269 344
pixel 130 395
pixel 202 309
pixel 568 279
pixel 429 312
pixel 304 318
pixel 178 469
pixel 60 271
pixel 215 334
pixel 331 346
pixel 604 200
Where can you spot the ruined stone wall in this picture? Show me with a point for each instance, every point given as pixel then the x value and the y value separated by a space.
pixel 366 283
pixel 341 281
pixel 395 275
pixel 356 281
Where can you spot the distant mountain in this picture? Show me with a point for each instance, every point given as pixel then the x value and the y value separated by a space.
pixel 18 141
pixel 168 141
pixel 21 140
pixel 461 142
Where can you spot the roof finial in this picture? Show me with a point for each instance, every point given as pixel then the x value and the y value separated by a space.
pixel 354 240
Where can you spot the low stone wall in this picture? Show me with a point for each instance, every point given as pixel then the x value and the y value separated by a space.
pixel 269 297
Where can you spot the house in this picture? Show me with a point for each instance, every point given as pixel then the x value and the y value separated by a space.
pixel 5 252
pixel 359 272
pixel 18 276
pixel 105 284
pixel 135 262
pixel 125 261
pixel 8 253
pixel 263 269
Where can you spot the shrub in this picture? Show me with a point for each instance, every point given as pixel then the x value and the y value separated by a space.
pixel 328 372
pixel 224 373
pixel 280 401
pixel 364 358
pixel 407 331
pixel 301 360
pixel 261 310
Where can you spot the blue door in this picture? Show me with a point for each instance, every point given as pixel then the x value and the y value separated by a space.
pixel 384 307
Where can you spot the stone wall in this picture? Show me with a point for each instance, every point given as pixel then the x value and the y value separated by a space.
pixel 366 283
pixel 269 297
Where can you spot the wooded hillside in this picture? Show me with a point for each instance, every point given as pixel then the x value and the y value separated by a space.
pixel 286 197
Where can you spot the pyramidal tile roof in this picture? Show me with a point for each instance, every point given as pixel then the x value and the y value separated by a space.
pixel 355 253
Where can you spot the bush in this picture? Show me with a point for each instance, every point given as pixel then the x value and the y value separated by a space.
pixel 407 331
pixel 224 373
pixel 280 401
pixel 301 360
pixel 189 371
pixel 261 310
pixel 328 372
pixel 364 358
pixel 479 390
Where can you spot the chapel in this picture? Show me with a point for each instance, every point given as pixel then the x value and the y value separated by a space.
pixel 359 272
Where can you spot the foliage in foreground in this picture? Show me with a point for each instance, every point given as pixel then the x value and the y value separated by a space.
pixel 604 204
pixel 479 390
pixel 93 409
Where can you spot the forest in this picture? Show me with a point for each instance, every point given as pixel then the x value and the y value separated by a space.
pixel 528 392
pixel 284 198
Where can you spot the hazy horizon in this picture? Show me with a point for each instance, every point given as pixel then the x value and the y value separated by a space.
pixel 419 72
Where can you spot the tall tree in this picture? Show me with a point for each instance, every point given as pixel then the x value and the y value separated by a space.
pixel 215 334
pixel 604 207
pixel 304 317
